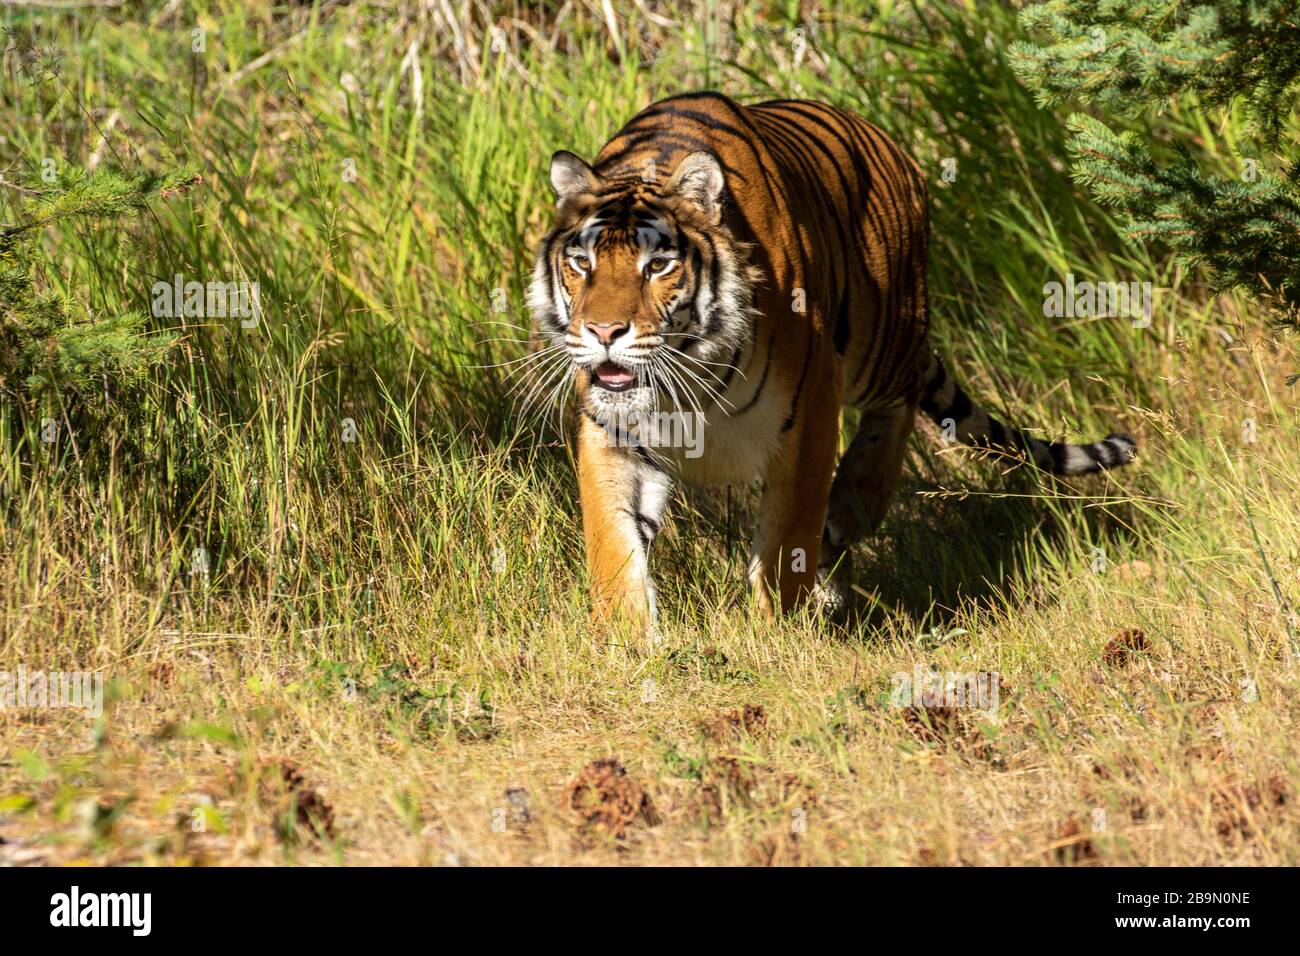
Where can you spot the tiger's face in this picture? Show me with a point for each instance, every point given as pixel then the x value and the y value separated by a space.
pixel 639 280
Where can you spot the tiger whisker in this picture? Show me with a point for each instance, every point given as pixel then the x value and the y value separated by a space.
pixel 671 374
pixel 689 374
pixel 561 392
pixel 667 385
pixel 516 361
pixel 509 325
pixel 508 339
pixel 714 377
pixel 700 361
pixel 544 370
pixel 540 385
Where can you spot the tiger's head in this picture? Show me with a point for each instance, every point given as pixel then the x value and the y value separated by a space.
pixel 641 282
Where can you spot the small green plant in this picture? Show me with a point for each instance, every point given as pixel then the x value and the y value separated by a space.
pixel 444 708
pixel 53 346
pixel 710 664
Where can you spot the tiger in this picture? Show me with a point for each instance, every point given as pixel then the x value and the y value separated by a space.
pixel 738 275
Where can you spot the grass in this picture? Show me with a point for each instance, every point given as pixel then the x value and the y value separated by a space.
pixel 389 660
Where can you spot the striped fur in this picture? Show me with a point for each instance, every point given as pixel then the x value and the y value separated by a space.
pixel 949 407
pixel 753 269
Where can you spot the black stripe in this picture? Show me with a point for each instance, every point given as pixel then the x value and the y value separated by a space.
pixel 666 108
pixel 636 513
pixel 1057 451
pixel 664 142
pixel 647 459
pixel 932 389
pixel 731 369
pixel 762 382
pixel 713 321
pixel 622 439
pixel 841 334
pixel 960 409
pixel 798 392
pixel 697 264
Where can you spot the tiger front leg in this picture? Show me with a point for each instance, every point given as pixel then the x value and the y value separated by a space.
pixel 623 497
pixel 792 511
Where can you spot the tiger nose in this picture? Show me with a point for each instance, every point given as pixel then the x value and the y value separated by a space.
pixel 607 332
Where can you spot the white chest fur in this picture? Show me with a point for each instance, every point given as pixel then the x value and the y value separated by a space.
pixel 730 449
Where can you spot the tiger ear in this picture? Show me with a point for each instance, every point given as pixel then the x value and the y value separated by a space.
pixel 571 176
pixel 699 180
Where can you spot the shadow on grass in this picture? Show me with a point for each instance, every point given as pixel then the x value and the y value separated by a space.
pixel 938 554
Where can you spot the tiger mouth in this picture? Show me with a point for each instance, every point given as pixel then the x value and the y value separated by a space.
pixel 613 377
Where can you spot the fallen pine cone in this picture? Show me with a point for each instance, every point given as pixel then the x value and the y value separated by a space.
pixel 606 800
pixel 1120 649
pixel 1071 846
pixel 749 721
